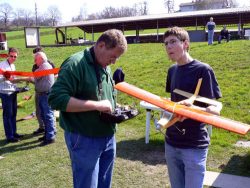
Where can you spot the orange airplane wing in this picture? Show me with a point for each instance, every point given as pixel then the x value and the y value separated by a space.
pixel 198 115
pixel 3 55
pixel 31 74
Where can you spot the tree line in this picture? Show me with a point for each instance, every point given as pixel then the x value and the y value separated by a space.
pixel 10 18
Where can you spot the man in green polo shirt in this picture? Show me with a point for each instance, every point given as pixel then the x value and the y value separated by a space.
pixel 84 89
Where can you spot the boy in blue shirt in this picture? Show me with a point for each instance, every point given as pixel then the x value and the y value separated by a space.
pixel 186 143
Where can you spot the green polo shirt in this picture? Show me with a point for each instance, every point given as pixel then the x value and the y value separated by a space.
pixel 77 78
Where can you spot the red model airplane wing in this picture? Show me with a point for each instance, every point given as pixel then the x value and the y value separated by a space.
pixel 3 55
pixel 182 110
pixel 32 74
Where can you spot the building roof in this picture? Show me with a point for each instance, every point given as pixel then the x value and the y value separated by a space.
pixel 182 19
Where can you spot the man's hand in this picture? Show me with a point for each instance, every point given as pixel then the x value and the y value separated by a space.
pixel 7 75
pixel 104 106
pixel 78 105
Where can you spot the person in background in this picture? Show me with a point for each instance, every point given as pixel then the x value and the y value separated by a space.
pixel 41 127
pixel 43 85
pixel 210 30
pixel 84 89
pixel 8 96
pixel 186 142
pixel 224 34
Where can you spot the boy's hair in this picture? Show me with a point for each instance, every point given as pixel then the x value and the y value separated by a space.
pixel 113 38
pixel 13 50
pixel 179 32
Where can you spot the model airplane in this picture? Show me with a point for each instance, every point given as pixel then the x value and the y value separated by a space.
pixel 169 119
pixel 7 74
pixel 182 110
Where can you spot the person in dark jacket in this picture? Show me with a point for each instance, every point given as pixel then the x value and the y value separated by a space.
pixel 224 34
pixel 84 89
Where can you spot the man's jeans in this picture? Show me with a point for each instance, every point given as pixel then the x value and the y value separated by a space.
pixel 9 105
pixel 92 160
pixel 186 167
pixel 210 36
pixel 38 112
pixel 47 116
pixel 223 37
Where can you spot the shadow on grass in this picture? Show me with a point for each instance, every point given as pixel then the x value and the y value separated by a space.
pixel 137 150
pixel 237 165
pixel 19 146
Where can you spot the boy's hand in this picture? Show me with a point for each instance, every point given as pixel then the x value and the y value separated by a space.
pixel 186 102
pixel 180 118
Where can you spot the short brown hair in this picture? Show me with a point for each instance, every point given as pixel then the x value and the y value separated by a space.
pixel 13 50
pixel 113 38
pixel 179 32
pixel 37 49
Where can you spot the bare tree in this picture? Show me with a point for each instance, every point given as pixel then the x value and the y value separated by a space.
pixel 27 15
pixel 82 14
pixel 18 14
pixel 110 12
pixel 169 4
pixel 93 16
pixel 126 12
pixel 142 8
pixel 6 12
pixel 44 20
pixel 230 3
pixel 22 17
pixel 54 14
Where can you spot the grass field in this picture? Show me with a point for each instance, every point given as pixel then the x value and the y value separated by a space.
pixel 25 164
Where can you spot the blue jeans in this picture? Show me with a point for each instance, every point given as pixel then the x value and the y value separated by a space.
pixel 47 115
pixel 210 36
pixel 38 112
pixel 92 160
pixel 223 37
pixel 186 167
pixel 9 105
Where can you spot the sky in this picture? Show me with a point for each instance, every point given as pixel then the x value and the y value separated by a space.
pixel 71 8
